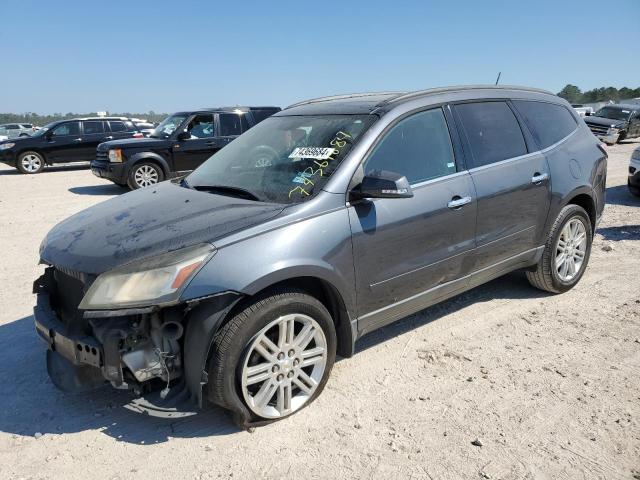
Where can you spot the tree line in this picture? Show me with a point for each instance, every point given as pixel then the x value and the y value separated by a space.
pixel 573 94
pixel 40 120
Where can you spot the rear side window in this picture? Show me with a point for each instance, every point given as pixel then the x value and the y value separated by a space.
pixel 418 147
pixel 230 124
pixel 549 123
pixel 93 127
pixel 492 130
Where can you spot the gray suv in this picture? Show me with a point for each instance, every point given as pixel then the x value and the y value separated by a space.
pixel 239 284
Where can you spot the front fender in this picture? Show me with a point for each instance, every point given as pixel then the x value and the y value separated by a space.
pixel 146 156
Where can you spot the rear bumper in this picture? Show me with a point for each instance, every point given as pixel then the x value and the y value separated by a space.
pixel 116 172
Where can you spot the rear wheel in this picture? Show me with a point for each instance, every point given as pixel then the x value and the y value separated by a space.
pixel 274 357
pixel 566 252
pixel 634 190
pixel 144 174
pixel 30 162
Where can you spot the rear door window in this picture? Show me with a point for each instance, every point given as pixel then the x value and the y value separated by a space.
pixel 229 124
pixel 118 126
pixel 93 127
pixel 418 147
pixel 492 130
pixel 549 123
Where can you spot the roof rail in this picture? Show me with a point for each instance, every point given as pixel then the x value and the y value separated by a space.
pixel 432 91
pixel 341 97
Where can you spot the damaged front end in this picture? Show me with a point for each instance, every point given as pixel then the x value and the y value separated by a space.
pixel 132 348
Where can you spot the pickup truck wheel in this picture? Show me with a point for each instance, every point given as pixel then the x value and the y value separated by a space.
pixel 274 357
pixel 30 162
pixel 566 252
pixel 144 174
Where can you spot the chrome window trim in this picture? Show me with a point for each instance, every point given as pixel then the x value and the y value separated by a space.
pixel 438 179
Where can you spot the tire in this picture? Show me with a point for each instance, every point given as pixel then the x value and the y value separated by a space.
pixel 237 346
pixel 634 190
pixel 144 174
pixel 546 276
pixel 30 162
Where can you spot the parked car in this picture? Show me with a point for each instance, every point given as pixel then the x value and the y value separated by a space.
pixel 613 123
pixel 64 141
pixel 17 130
pixel 330 219
pixel 582 110
pixel 178 145
pixel 145 127
pixel 634 173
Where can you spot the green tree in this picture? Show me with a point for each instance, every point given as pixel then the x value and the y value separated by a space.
pixel 571 94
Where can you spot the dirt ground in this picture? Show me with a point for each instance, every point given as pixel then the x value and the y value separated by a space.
pixel 548 385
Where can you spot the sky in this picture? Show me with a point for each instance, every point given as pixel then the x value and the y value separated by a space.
pixel 137 56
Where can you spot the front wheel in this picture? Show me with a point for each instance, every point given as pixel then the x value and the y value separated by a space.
pixel 274 357
pixel 566 252
pixel 30 162
pixel 634 190
pixel 144 174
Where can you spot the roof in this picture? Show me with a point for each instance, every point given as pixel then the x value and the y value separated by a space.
pixel 231 109
pixel 364 103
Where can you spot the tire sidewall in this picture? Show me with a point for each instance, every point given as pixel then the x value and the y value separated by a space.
pixel 131 182
pixel 24 154
pixel 568 213
pixel 253 324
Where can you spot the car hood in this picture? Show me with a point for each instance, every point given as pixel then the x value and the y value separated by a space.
pixel 147 222
pixel 607 122
pixel 135 143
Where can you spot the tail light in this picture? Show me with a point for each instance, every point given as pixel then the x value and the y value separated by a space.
pixel 138 135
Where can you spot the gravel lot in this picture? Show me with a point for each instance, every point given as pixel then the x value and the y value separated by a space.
pixel 548 385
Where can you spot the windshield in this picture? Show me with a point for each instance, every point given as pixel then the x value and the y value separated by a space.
pixel 283 159
pixel 168 126
pixel 613 113
pixel 45 129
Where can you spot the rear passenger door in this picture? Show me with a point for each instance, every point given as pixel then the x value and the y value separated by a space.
pixel 230 126
pixel 511 180
pixel 93 134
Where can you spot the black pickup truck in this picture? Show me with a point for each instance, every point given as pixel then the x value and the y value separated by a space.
pixel 178 145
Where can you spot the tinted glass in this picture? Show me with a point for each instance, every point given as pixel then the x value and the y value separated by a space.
pixel 12 127
pixel 549 123
pixel 93 127
pixel 244 122
pixel 418 147
pixel 201 126
pixel 70 128
pixel 492 130
pixel 230 124
pixel 260 114
pixel 118 126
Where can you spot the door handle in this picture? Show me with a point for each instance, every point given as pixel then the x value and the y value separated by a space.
pixel 457 202
pixel 108 138
pixel 210 144
pixel 538 178
pixel 77 139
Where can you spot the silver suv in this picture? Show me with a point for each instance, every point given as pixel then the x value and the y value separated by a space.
pixel 240 283
pixel 16 130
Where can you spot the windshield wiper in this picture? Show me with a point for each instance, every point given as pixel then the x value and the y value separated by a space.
pixel 225 190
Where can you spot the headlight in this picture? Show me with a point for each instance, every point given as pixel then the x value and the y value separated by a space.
pixel 158 280
pixel 7 146
pixel 115 155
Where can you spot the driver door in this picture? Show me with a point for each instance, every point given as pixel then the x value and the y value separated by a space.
pixel 189 154
pixel 410 252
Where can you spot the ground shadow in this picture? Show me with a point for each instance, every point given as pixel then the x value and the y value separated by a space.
pixel 106 189
pixel 620 195
pixel 624 232
pixel 57 168
pixel 30 403
pixel 511 286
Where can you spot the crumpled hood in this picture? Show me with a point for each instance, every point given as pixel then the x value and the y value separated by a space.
pixel 147 222
pixel 607 122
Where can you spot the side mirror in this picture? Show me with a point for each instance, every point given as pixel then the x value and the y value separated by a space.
pixel 183 136
pixel 383 184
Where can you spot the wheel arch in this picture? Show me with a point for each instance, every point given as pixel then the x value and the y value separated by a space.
pixel 34 149
pixel 585 200
pixel 147 156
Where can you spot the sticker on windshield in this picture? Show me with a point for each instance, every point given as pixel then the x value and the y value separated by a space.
pixel 315 153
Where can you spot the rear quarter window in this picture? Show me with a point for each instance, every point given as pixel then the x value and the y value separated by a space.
pixel 549 123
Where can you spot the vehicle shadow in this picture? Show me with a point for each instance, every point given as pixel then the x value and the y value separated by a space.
pixel 30 403
pixel 514 285
pixel 620 195
pixel 56 168
pixel 624 232
pixel 106 189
